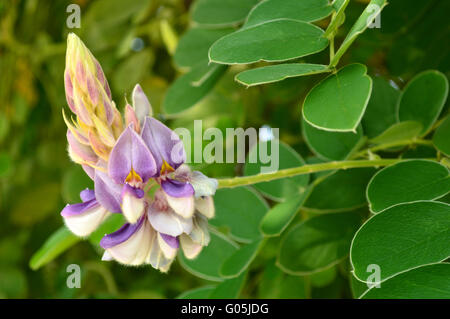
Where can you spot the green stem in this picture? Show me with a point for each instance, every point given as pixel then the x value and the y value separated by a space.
pixel 331 49
pixel 386 146
pixel 301 170
pixel 106 274
pixel 437 124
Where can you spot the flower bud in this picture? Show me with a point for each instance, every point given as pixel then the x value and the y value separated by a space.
pixel 89 97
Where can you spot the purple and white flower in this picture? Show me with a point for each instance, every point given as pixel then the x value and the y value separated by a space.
pixel 125 165
pixel 83 218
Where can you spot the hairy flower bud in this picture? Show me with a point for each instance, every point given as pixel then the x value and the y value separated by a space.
pixel 98 123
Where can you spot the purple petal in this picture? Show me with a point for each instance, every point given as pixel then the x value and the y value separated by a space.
pixel 136 192
pixel 171 240
pixel 77 209
pixel 176 188
pixel 130 152
pixel 163 143
pixel 121 235
pixel 107 192
pixel 87 195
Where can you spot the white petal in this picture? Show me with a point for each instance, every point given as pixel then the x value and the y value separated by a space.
pixel 205 205
pixel 106 256
pixel 190 248
pixel 132 207
pixel 156 256
pixel 203 185
pixel 200 232
pixel 84 224
pixel 182 172
pixel 141 104
pixel 165 267
pixel 183 206
pixel 167 222
pixel 134 251
pixel 168 251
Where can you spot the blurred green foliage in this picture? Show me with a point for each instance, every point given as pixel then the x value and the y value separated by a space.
pixel 36 175
pixel 134 40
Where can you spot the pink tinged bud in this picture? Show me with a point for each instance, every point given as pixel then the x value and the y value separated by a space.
pixel 68 84
pixel 104 132
pixel 81 151
pixel 80 74
pixel 133 203
pixel 97 146
pixel 109 109
pixel 82 138
pixel 103 109
pixel 107 90
pixel 82 110
pixel 205 206
pixel 101 77
pixel 130 118
pixel 117 124
pixel 69 91
pixel 190 248
pixel 168 251
pixel 141 104
pixel 92 91
pixel 71 104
